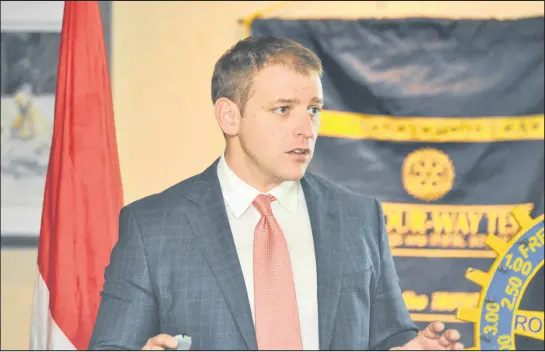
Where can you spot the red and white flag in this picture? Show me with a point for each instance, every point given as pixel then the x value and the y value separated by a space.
pixel 83 193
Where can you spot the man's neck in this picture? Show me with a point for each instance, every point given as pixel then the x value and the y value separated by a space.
pixel 250 175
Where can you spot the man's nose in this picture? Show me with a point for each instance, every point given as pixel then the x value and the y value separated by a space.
pixel 305 127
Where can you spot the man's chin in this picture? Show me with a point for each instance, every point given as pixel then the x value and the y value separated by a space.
pixel 294 175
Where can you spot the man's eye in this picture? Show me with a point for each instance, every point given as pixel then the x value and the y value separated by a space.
pixel 281 110
pixel 315 111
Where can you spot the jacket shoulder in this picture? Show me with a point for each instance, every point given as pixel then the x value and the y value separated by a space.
pixel 174 194
pixel 350 200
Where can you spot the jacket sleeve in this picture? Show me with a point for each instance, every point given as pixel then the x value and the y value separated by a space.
pixel 128 314
pixel 390 322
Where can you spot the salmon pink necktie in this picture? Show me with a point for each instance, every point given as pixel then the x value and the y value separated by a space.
pixel 276 314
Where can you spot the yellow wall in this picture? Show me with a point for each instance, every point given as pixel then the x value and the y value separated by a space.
pixel 163 57
pixel 18 277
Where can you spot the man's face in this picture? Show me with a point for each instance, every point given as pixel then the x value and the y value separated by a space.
pixel 280 124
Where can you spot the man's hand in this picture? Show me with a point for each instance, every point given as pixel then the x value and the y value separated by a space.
pixel 431 339
pixel 160 342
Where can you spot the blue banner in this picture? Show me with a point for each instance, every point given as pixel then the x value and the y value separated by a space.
pixel 442 121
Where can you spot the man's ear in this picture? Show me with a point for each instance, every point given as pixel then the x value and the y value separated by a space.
pixel 228 116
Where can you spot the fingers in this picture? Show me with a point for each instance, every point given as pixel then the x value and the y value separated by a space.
pixel 450 337
pixel 433 329
pixel 447 340
pixel 160 342
pixel 457 346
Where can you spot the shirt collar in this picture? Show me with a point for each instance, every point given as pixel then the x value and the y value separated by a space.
pixel 239 195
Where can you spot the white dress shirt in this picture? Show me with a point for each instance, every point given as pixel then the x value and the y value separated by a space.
pixel 291 213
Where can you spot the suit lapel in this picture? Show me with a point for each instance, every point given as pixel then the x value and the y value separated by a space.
pixel 208 219
pixel 324 219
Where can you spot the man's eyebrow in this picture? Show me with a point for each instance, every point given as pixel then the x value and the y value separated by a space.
pixel 317 100
pixel 287 101
pixel 297 101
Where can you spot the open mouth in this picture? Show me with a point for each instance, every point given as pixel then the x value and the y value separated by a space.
pixel 299 151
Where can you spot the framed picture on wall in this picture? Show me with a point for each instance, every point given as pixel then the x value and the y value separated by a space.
pixel 30 42
pixel 30 39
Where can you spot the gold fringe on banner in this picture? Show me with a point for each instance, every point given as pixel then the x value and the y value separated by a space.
pixel 247 21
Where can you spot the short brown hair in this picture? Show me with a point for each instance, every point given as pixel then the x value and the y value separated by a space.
pixel 234 71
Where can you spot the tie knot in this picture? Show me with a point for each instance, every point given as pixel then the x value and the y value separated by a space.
pixel 263 204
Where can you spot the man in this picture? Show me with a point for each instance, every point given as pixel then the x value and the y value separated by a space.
pixel 255 253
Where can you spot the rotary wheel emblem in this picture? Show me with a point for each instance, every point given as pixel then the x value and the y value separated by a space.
pixel 428 174
pixel 498 319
